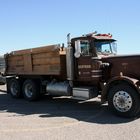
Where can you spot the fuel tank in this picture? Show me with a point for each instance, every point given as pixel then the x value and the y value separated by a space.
pixel 59 88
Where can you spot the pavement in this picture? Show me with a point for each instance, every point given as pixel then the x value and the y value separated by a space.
pixel 62 119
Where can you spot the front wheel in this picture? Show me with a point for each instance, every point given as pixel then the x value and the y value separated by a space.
pixel 124 100
pixel 31 90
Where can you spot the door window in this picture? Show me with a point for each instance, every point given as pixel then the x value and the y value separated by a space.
pixel 82 48
pixel 85 48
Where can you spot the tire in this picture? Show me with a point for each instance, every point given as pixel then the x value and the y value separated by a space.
pixel 31 90
pixel 124 101
pixel 14 88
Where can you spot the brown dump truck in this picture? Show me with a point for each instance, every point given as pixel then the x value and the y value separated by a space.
pixel 86 68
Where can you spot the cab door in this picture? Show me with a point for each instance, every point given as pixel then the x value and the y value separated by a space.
pixel 88 66
pixel 83 60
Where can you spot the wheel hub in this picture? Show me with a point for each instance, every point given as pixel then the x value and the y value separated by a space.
pixel 122 101
pixel 28 90
pixel 14 89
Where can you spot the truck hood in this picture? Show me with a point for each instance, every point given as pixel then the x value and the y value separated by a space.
pixel 120 56
pixel 129 65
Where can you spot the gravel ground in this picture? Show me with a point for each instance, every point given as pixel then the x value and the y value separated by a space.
pixel 62 119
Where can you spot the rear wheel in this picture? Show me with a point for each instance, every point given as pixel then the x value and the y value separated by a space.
pixel 31 90
pixel 124 100
pixel 14 88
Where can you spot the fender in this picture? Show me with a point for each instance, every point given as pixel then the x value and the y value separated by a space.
pixel 135 83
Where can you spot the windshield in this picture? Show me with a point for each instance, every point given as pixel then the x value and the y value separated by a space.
pixel 106 47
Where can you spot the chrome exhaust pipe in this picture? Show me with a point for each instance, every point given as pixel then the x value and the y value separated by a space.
pixel 69 60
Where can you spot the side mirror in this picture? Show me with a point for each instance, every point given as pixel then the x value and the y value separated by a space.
pixel 77 49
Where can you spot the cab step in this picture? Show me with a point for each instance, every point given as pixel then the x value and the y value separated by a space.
pixel 84 93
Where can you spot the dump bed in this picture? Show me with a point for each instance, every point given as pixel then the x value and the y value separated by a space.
pixel 47 60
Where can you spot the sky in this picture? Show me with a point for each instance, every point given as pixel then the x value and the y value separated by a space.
pixel 33 23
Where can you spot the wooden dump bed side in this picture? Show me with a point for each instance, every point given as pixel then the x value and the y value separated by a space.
pixel 45 60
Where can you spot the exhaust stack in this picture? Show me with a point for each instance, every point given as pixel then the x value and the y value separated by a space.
pixel 69 60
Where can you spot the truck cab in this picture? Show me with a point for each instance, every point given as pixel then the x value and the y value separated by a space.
pixel 88 52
